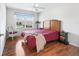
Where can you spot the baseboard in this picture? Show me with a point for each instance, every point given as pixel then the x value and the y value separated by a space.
pixel 74 44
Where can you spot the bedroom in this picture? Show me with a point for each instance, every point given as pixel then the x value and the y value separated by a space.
pixel 39 17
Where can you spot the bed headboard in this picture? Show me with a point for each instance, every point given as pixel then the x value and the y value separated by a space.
pixel 53 24
pixel 46 24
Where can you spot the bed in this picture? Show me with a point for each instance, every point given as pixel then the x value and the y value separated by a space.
pixel 50 32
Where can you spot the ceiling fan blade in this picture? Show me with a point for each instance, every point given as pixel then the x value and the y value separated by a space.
pixel 40 7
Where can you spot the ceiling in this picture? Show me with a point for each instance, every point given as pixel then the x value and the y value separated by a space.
pixel 24 6
pixel 29 6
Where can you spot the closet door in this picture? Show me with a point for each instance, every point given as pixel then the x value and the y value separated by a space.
pixel 55 25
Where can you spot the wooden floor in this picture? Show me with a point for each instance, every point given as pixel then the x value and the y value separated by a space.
pixel 15 48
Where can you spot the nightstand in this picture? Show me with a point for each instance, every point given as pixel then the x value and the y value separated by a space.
pixel 64 37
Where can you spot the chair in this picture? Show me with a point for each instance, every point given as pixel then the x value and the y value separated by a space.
pixel 11 32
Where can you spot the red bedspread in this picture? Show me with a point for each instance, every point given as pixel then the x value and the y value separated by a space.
pixel 48 34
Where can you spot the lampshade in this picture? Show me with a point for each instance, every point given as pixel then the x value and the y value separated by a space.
pixel 37 22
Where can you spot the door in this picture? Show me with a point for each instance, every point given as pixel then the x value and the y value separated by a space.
pixel 2 27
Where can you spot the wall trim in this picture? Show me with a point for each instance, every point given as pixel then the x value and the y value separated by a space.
pixel 74 44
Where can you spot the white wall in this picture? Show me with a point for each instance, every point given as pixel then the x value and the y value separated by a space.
pixel 2 27
pixel 69 15
pixel 11 18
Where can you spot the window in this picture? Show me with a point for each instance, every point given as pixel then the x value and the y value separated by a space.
pixel 24 19
pixel 24 16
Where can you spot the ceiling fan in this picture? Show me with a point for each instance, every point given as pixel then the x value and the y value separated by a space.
pixel 38 8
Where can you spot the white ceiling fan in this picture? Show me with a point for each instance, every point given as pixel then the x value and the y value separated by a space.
pixel 38 8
